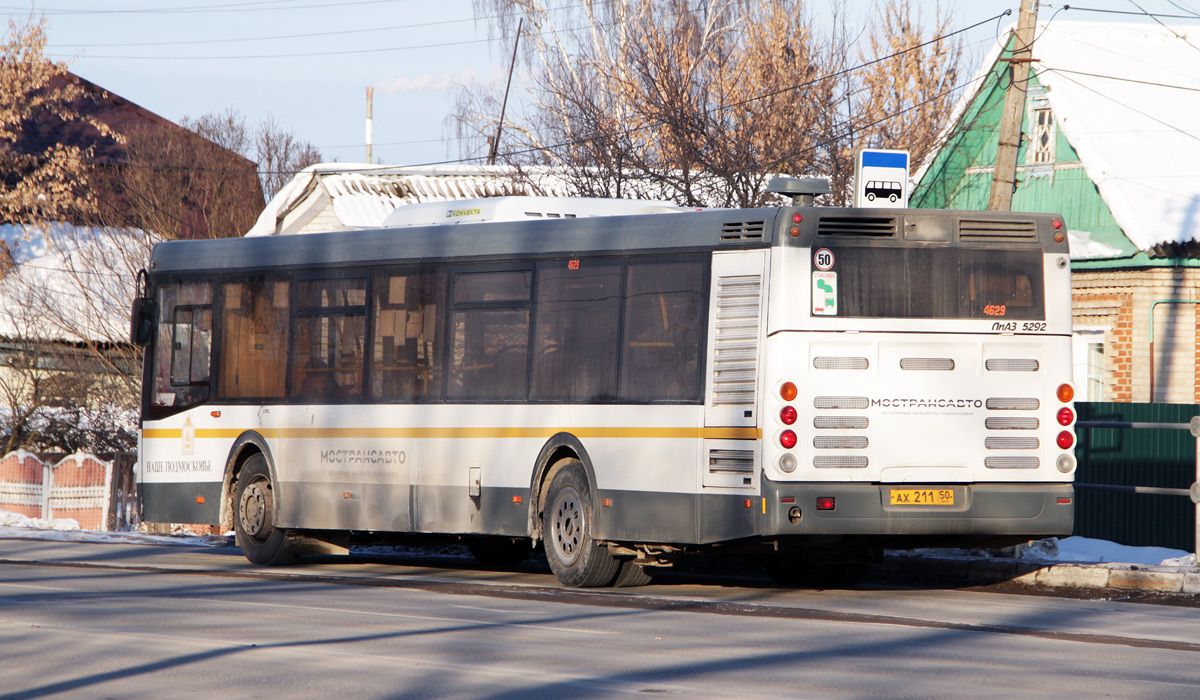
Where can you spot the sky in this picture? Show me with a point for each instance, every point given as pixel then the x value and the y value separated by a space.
pixel 307 63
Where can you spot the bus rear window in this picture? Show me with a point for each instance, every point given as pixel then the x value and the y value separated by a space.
pixel 879 282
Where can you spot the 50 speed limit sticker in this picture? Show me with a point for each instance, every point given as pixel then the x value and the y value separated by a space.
pixel 823 259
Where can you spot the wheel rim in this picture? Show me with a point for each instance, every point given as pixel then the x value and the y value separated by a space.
pixel 567 526
pixel 253 511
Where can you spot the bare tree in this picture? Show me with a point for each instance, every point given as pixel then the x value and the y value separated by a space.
pixel 280 155
pixel 909 90
pixel 695 102
pixel 41 178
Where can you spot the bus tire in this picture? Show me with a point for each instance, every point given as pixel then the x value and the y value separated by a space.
pixel 631 574
pixel 576 559
pixel 254 516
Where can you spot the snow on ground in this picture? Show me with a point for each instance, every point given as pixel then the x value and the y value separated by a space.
pixel 20 527
pixel 1079 550
pixel 1091 551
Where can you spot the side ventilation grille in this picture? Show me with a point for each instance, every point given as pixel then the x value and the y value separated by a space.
pixel 989 230
pixel 873 226
pixel 733 231
pixel 735 363
pixel 730 462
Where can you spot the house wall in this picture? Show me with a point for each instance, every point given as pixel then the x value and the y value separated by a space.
pixel 1119 302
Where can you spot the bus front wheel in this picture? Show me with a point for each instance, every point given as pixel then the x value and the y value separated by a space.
pixel 254 516
pixel 576 559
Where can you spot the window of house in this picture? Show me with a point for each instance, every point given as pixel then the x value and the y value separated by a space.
pixel 1042 147
pixel 1088 363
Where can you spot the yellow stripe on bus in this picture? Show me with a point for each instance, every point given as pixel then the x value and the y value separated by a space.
pixel 496 432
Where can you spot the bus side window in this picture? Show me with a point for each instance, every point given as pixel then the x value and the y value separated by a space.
pixel 578 316
pixel 254 332
pixel 489 335
pixel 182 347
pixel 329 348
pixel 664 309
pixel 407 356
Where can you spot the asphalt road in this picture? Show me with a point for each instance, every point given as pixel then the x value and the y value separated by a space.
pixel 138 621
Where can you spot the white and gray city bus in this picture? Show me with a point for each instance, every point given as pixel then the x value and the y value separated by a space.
pixel 799 384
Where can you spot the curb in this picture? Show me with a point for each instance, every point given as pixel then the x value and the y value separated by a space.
pixel 1117 577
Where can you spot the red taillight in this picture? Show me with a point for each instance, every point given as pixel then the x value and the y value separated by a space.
pixel 788 439
pixel 826 502
pixel 788 392
pixel 796 218
pixel 1056 224
pixel 1065 392
pixel 788 415
pixel 1065 440
pixel 1065 416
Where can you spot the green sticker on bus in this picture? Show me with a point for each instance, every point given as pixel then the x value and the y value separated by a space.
pixel 824 293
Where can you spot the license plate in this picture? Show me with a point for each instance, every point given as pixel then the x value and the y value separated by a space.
pixel 921 497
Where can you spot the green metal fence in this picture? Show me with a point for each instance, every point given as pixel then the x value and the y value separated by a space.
pixel 1160 458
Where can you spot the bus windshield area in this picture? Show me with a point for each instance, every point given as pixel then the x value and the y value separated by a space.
pixel 963 283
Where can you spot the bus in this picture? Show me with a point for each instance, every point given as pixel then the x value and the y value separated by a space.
pixel 798 385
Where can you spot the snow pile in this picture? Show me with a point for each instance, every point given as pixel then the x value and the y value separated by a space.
pixel 12 520
pixel 1091 551
pixel 19 527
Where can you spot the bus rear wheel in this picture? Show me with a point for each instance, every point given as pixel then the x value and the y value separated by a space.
pixel 254 516
pixel 576 559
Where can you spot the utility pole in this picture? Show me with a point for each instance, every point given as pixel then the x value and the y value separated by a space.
pixel 1004 174
pixel 495 141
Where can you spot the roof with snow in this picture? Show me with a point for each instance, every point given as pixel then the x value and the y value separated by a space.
pixel 78 291
pixel 1127 98
pixel 336 196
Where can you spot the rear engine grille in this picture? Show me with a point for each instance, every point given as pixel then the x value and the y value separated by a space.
pixel 840 402
pixel 1013 404
pixel 840 442
pixel 840 422
pixel 1011 462
pixel 742 231
pixel 873 226
pixel 840 363
pixel 1011 423
pixel 1011 443
pixel 991 230
pixel 839 462
pixel 1005 364
pixel 927 364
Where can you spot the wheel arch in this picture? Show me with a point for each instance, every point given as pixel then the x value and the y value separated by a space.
pixel 560 446
pixel 246 446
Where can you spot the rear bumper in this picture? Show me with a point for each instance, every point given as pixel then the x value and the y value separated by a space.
pixel 1033 510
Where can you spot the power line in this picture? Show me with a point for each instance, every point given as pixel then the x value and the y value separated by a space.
pixel 575 142
pixel 196 9
pixel 310 35
pixel 1164 26
pixel 1134 109
pixel 1124 80
pixel 1143 13
pixel 835 74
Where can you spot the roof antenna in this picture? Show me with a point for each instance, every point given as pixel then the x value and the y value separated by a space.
pixel 801 190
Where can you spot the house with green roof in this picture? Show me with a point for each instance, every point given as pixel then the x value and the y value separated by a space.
pixel 1110 140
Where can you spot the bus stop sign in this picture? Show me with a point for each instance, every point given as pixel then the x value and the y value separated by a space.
pixel 880 178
